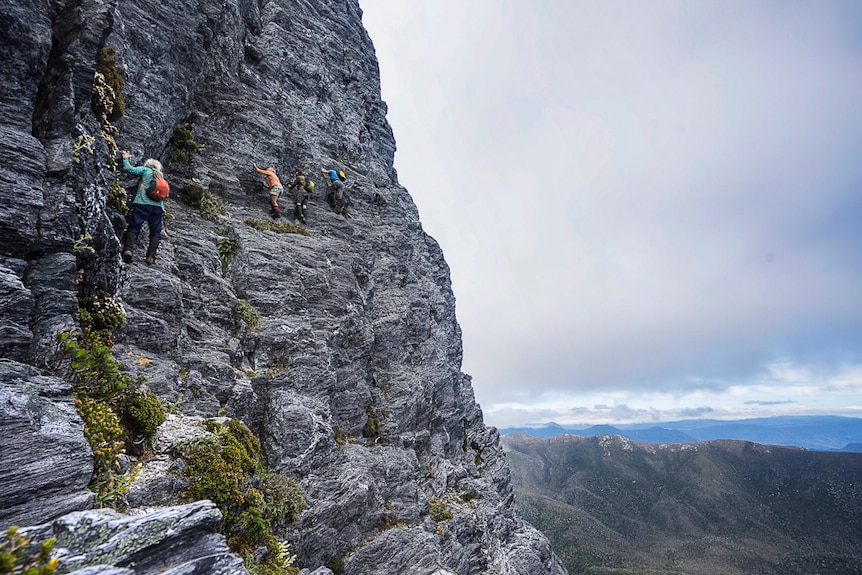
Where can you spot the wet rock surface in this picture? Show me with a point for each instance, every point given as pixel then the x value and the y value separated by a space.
pixel 351 375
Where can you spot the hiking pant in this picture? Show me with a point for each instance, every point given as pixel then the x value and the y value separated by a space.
pixel 299 197
pixel 338 191
pixel 143 213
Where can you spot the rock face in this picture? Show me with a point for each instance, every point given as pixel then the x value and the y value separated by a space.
pixel 42 448
pixel 351 378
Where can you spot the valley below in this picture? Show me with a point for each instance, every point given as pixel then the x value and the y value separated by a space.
pixel 724 507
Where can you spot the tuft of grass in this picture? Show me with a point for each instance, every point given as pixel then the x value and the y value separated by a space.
pixel 439 510
pixel 226 249
pixel 371 429
pixel 277 227
pixel 247 313
pixel 341 437
pixel 211 207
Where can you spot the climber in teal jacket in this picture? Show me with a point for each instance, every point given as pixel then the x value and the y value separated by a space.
pixel 143 210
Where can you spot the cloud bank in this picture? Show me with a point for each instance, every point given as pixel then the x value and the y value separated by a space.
pixel 651 207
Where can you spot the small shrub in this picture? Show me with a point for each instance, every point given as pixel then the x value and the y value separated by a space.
pixel 277 227
pixel 372 424
pixel 336 565
pixel 83 143
pixel 226 249
pixel 219 468
pixel 341 437
pixel 145 411
pixel 104 105
pixel 101 312
pixel 117 198
pixel 439 510
pixel 183 143
pixel 112 74
pixel 103 432
pixel 388 522
pixel 93 369
pixel 282 496
pixel 211 207
pixel 19 555
pixel 247 313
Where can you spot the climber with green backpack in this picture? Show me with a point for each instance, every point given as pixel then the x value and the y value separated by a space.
pixel 300 188
pixel 148 206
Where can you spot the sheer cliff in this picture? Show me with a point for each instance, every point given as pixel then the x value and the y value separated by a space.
pixel 356 324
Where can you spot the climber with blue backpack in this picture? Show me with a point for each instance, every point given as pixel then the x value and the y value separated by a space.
pixel 148 206
pixel 337 195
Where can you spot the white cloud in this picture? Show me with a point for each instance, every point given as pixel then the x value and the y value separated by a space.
pixel 635 197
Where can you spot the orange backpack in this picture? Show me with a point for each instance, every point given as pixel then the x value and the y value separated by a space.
pixel 158 188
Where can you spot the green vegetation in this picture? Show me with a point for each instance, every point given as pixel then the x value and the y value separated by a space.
pixel 19 556
pixel 372 424
pixel 226 249
pixel 277 227
pixel 389 522
pixel 101 312
pixel 112 76
pixel 439 510
pixel 106 101
pixel 103 432
pixel 247 313
pixel 117 198
pixel 336 565
pixel 282 497
pixel 221 468
pixel 341 437
pixel 183 143
pixel 93 369
pixel 116 412
pixel 211 207
pixel 146 411
pixel 83 143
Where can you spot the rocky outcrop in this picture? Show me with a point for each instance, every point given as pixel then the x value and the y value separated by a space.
pixel 46 461
pixel 172 540
pixel 351 378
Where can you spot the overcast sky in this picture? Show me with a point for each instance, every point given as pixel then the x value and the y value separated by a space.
pixel 652 210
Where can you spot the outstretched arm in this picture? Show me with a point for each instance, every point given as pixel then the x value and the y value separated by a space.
pixel 127 165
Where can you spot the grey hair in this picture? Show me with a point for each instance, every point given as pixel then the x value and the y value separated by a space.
pixel 154 165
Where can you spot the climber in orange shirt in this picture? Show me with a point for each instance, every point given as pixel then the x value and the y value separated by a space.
pixel 273 184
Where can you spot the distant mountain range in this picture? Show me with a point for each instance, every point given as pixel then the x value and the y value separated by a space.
pixel 610 505
pixel 818 433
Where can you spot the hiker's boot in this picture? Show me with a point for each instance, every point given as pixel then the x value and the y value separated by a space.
pixel 302 215
pixel 151 249
pixel 276 213
pixel 129 245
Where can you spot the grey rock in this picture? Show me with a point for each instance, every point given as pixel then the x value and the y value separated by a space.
pixel 45 460
pixel 171 540
pixel 351 377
